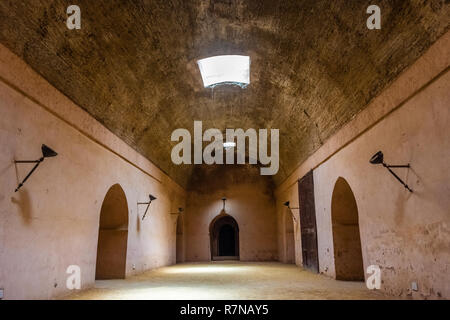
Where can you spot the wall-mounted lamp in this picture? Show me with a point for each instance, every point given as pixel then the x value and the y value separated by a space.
pixel 148 204
pixel 378 158
pixel 290 209
pixel 224 199
pixel 180 210
pixel 46 153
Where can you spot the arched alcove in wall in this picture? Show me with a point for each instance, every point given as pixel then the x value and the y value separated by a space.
pixel 224 238
pixel 180 240
pixel 346 236
pixel 289 236
pixel 112 235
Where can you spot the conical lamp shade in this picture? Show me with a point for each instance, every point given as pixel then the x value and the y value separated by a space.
pixel 377 158
pixel 48 152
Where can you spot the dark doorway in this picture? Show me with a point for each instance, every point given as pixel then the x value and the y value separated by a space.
pixel 346 238
pixel 112 236
pixel 308 222
pixel 224 234
pixel 226 241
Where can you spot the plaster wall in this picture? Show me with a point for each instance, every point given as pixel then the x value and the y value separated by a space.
pixel 53 221
pixel 406 234
pixel 250 202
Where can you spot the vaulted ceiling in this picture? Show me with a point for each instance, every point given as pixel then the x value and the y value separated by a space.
pixel 132 65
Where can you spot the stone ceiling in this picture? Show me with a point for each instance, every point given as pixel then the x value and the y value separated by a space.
pixel 132 65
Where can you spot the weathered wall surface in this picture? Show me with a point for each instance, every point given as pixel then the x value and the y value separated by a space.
pixel 53 221
pixel 250 202
pixel 407 235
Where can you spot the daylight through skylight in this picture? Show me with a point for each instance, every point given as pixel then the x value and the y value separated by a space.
pixel 232 69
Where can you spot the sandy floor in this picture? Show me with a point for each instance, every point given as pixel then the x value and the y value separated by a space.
pixel 228 280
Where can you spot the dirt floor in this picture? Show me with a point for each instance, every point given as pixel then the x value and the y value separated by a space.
pixel 229 281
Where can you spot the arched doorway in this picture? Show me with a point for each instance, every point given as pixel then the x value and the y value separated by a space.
pixel 224 237
pixel 180 240
pixel 346 238
pixel 112 235
pixel 289 236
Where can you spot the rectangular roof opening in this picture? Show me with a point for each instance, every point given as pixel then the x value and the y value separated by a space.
pixel 226 69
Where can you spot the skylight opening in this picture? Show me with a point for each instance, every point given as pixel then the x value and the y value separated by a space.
pixel 227 69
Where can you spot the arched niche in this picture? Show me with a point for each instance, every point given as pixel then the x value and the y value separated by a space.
pixel 180 239
pixel 112 235
pixel 289 236
pixel 346 236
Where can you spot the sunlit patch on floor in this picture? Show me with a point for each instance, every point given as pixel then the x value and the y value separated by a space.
pixel 207 269
pixel 227 281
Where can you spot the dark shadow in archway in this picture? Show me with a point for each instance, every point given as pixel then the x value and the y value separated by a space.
pixel 346 237
pixel 180 240
pixel 224 237
pixel 289 236
pixel 112 236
